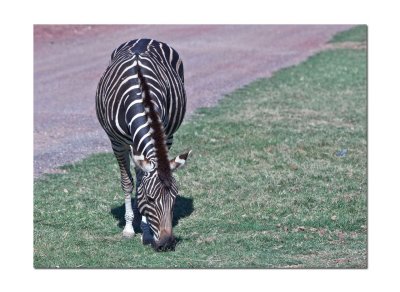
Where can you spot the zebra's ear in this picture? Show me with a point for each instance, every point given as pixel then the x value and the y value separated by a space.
pixel 143 163
pixel 179 161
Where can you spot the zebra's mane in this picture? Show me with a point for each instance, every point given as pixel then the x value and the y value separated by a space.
pixel 158 135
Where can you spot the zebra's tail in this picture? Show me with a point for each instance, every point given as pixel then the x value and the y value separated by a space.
pixel 158 135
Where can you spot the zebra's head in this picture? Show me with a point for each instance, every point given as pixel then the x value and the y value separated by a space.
pixel 156 197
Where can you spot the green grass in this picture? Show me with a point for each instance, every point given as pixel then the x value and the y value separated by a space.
pixel 264 188
pixel 356 34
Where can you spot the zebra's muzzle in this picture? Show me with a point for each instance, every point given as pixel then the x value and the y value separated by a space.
pixel 166 243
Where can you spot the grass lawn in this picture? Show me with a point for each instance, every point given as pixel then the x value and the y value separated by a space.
pixel 356 34
pixel 278 178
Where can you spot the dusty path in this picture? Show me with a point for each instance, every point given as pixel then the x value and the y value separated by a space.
pixel 69 60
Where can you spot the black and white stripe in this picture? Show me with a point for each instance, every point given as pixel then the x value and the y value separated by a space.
pixel 119 101
pixel 144 77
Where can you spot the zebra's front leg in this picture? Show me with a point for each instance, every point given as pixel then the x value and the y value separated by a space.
pixel 147 236
pixel 122 155
pixel 128 231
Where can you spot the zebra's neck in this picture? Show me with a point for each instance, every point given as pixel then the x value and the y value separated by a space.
pixel 158 137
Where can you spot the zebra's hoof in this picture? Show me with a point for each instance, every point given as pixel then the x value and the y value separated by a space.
pixel 146 240
pixel 128 233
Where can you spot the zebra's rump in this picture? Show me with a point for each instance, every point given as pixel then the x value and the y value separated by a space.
pixel 141 46
pixel 119 97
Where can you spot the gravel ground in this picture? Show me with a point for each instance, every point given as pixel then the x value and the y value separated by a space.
pixel 69 61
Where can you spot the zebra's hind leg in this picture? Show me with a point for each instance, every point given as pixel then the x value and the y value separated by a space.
pixel 122 155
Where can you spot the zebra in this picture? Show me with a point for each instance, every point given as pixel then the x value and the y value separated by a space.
pixel 140 103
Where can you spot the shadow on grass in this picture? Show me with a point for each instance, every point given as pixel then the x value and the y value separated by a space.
pixel 183 208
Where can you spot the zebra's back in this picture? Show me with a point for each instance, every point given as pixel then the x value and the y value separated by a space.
pixel 119 97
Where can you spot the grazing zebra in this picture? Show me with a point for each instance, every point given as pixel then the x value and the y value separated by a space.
pixel 140 103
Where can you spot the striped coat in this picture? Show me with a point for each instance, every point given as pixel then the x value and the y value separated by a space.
pixel 119 101
pixel 140 103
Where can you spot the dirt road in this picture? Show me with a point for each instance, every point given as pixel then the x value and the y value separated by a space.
pixel 69 60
